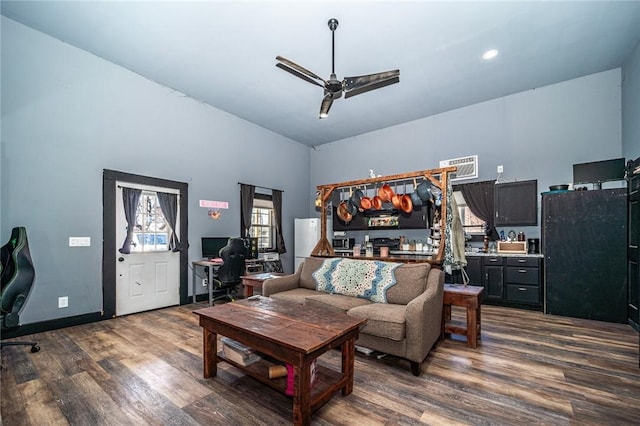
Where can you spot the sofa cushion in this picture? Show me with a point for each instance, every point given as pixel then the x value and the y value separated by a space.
pixel 297 295
pixel 383 320
pixel 335 302
pixel 411 281
pixel 367 279
pixel 309 266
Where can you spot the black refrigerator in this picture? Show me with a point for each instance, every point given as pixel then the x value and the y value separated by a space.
pixel 584 242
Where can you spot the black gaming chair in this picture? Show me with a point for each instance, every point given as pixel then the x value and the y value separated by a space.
pixel 225 284
pixel 17 275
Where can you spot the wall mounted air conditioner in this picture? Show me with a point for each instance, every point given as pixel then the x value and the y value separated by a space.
pixel 467 167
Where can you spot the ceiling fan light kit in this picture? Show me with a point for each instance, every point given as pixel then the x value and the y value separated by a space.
pixel 333 88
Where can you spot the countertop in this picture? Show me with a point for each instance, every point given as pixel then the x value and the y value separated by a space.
pixel 427 254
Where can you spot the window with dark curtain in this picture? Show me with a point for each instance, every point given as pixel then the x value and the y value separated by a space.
pixel 247 192
pixel 169 206
pixel 130 198
pixel 479 199
pixel 277 212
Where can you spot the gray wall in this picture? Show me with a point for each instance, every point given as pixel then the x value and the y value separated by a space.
pixel 631 106
pixel 67 115
pixel 537 134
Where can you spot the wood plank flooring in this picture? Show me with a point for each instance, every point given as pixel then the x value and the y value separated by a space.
pixel 529 368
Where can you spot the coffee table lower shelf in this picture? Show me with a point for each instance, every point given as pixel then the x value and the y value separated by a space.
pixel 328 380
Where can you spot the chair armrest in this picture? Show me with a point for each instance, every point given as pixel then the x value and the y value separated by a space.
pixel 280 284
pixel 423 317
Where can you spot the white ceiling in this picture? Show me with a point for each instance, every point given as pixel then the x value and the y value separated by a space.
pixel 223 53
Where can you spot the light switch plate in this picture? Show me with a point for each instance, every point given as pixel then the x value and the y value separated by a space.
pixel 500 169
pixel 63 302
pixel 79 241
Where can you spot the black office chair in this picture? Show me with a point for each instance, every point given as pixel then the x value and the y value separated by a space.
pixel 227 279
pixel 16 275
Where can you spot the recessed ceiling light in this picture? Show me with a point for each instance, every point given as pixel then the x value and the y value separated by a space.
pixel 490 54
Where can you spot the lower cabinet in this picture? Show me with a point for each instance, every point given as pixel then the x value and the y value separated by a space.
pixel 513 281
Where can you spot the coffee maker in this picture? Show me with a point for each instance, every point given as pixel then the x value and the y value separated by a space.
pixel 533 245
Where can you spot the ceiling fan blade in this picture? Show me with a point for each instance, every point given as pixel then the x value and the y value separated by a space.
pixel 300 69
pixel 371 86
pixel 327 101
pixel 299 75
pixel 364 83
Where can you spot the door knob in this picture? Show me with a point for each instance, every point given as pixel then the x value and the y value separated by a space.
pixel 121 259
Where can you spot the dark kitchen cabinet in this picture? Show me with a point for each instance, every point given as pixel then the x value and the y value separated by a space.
pixel 356 224
pixel 513 281
pixel 474 270
pixel 633 243
pixel 493 278
pixel 417 219
pixel 584 238
pixel 523 279
pixel 516 203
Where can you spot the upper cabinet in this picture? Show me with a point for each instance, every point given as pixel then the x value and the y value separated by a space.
pixel 516 203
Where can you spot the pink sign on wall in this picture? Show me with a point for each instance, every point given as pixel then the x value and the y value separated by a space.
pixel 214 204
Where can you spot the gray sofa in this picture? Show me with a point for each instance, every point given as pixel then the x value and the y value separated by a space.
pixel 407 326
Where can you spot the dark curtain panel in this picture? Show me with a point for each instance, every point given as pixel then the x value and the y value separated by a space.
pixel 130 198
pixel 169 207
pixel 479 198
pixel 276 197
pixel 247 192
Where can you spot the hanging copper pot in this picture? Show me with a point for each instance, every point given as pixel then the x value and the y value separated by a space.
pixel 396 199
pixel 385 193
pixel 343 211
pixel 376 201
pixel 405 203
pixel 365 202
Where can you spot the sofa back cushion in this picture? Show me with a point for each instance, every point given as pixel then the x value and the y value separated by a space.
pixel 411 281
pixel 309 266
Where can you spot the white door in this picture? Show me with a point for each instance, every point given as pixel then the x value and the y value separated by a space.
pixel 149 277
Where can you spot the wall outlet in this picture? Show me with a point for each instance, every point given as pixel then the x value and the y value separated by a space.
pixel 205 282
pixel 79 241
pixel 500 169
pixel 63 302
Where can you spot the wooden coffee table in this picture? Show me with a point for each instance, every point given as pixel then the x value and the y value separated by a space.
pixel 290 333
pixel 469 297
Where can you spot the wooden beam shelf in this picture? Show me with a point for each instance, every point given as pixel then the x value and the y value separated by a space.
pixel 438 177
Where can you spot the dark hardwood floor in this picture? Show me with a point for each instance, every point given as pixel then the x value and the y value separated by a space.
pixel 529 368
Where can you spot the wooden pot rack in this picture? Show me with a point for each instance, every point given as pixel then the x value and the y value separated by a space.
pixel 438 177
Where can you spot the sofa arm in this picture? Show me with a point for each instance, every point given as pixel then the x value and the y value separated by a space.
pixel 279 284
pixel 423 317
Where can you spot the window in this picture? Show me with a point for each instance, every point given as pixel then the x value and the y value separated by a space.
pixel 470 222
pixel 262 223
pixel 152 231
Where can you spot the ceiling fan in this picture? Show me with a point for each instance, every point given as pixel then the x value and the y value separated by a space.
pixel 333 88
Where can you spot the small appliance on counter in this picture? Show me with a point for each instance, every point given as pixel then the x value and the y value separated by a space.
pixel 533 245
pixel 343 243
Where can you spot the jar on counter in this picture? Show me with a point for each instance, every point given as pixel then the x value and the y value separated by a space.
pixel 356 250
pixel 368 249
pixel 384 251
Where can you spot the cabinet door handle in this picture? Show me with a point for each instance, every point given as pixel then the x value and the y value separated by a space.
pixel 522 260
pixel 493 260
pixel 522 289
pixel 522 271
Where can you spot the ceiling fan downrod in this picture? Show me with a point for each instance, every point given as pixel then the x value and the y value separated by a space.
pixel 333 25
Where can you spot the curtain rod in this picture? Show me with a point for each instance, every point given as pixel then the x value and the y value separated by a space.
pixel 258 186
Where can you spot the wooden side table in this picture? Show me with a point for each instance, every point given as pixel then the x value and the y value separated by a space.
pixel 255 280
pixel 469 297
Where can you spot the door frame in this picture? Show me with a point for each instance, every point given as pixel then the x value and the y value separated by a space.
pixel 109 245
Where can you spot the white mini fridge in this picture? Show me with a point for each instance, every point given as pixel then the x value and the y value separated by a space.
pixel 306 236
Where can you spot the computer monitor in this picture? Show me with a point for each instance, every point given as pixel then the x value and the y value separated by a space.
pixel 598 171
pixel 211 246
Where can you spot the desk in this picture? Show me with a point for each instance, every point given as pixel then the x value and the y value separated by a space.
pixel 256 280
pixel 213 267
pixel 469 297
